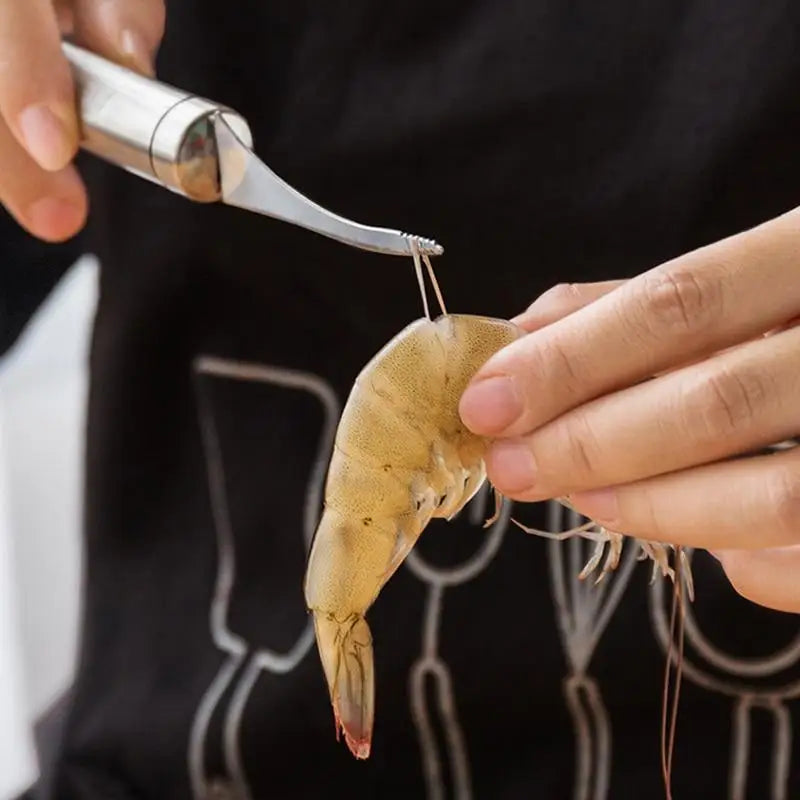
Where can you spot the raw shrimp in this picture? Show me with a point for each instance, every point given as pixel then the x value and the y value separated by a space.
pixel 401 457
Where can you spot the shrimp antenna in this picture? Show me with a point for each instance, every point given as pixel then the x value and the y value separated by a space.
pixel 432 275
pixel 420 277
pixel 677 614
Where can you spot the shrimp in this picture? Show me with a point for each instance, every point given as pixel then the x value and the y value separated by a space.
pixel 401 458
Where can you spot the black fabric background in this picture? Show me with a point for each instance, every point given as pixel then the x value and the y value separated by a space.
pixel 540 142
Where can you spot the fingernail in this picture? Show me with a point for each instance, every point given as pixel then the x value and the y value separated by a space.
pixel 54 217
pixel 535 306
pixel 540 304
pixel 46 137
pixel 490 405
pixel 65 17
pixel 521 318
pixel 512 466
pixel 598 504
pixel 136 52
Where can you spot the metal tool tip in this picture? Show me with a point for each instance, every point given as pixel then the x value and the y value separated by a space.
pixel 427 247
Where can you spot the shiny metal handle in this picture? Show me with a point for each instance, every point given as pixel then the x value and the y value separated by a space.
pixel 150 128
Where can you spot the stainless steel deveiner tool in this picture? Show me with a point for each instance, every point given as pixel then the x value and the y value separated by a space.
pixel 202 150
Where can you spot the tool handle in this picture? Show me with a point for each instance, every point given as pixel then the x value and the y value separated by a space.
pixel 149 128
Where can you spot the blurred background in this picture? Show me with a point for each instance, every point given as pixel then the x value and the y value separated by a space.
pixel 47 302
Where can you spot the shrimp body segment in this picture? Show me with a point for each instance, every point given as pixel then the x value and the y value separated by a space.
pixel 401 457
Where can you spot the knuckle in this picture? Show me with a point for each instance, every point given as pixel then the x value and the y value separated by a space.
pixel 724 402
pixel 784 494
pixel 580 445
pixel 653 518
pixel 562 365
pixel 650 515
pixel 680 301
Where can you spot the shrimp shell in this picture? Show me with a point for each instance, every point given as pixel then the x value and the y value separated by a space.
pixel 401 457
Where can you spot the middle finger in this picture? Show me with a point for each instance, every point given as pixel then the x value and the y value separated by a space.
pixel 740 400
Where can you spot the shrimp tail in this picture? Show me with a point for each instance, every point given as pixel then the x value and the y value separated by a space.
pixel 345 649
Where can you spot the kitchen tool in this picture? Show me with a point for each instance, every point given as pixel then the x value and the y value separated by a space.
pixel 203 151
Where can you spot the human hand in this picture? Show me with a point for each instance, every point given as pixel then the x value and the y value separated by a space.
pixel 39 186
pixel 635 398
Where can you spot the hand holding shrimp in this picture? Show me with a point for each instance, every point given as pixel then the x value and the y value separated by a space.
pixel 403 456
pixel 654 457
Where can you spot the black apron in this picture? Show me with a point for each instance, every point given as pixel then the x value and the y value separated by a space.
pixel 540 142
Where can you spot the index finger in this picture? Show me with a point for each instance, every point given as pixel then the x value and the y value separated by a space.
pixel 709 299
